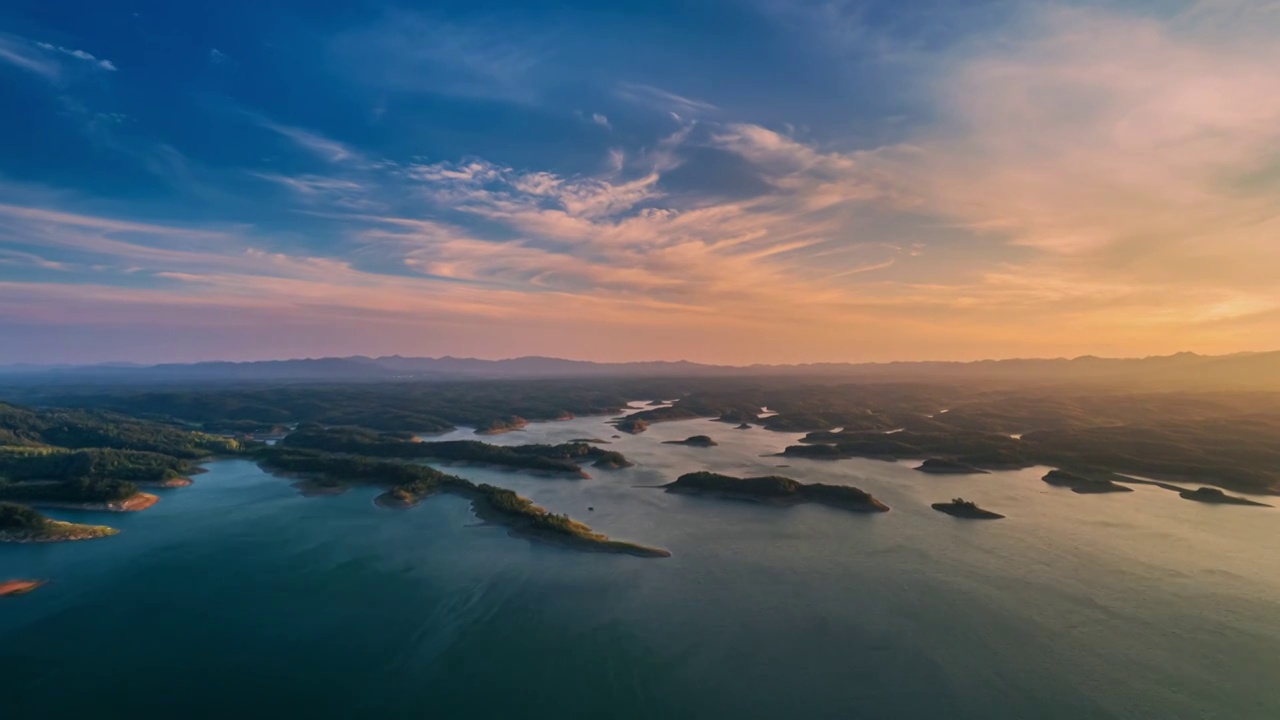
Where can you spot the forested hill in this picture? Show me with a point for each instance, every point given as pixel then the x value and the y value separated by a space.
pixel 1181 371
pixel 84 456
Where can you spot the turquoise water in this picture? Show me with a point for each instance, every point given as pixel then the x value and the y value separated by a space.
pixel 237 597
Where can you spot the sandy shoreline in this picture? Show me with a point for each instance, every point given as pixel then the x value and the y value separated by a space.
pixel 165 484
pixel 136 503
pixel 13 588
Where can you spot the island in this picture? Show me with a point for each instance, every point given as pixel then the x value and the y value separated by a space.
pixel 406 485
pixel 776 490
pixel 938 466
pixel 19 523
pixel 744 426
pixel 632 425
pixel 1214 496
pixel 693 441
pixel 612 461
pixel 10 588
pixel 966 509
pixel 503 424
pixel 815 452
pixel 1085 485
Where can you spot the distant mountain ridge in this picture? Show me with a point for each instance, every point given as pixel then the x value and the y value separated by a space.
pixel 1239 371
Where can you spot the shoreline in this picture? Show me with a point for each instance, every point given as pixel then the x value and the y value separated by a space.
pixel 178 482
pixel 966 513
pixel 590 541
pixel 518 527
pixel 60 531
pixel 15 588
pixel 135 503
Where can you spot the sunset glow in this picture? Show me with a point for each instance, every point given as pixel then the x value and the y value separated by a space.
pixel 764 181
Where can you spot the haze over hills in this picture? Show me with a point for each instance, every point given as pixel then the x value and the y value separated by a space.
pixel 1243 371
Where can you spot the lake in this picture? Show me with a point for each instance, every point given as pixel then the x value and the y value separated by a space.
pixel 237 597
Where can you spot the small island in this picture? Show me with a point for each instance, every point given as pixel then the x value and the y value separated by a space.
pixel 776 490
pixel 635 426
pixel 693 441
pixel 966 509
pixel 744 426
pixel 19 523
pixel 501 425
pixel 1214 496
pixel 1082 484
pixel 937 466
pixel 612 461
pixel 12 588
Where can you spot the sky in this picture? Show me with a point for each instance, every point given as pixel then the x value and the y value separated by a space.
pixel 744 181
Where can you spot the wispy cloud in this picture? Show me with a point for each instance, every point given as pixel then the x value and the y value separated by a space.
pixel 79 55
pixel 24 54
pixel 410 52
pixel 679 106
pixel 311 141
pixel 1112 174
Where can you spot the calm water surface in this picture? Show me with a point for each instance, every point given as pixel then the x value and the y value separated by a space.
pixel 236 597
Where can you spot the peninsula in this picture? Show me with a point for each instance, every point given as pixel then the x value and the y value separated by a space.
pixel 408 485
pixel 503 424
pixel 21 524
pixel 776 490
pixel 938 466
pixel 544 458
pixel 1214 496
pixel 1085 485
pixel 79 494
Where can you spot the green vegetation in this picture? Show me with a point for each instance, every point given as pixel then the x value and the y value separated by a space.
pixel 19 523
pixel 78 429
pixel 95 458
pixel 546 458
pixel 20 518
pixel 80 491
pixel 408 485
pixel 419 407
pixel 24 463
pixel 632 425
pixel 775 488
pixel 503 424
pixel 1224 439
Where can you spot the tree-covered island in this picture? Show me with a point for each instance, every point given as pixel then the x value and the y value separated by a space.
pixel 778 490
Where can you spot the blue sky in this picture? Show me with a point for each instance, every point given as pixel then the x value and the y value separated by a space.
pixel 754 181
